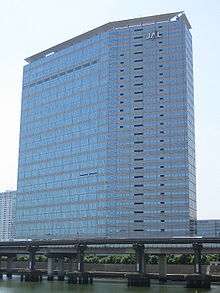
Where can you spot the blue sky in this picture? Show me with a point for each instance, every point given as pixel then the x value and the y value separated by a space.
pixel 30 26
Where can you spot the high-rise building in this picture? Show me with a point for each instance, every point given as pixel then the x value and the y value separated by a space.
pixel 107 134
pixel 7 215
pixel 208 228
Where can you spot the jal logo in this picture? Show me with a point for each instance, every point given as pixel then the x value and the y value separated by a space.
pixel 153 35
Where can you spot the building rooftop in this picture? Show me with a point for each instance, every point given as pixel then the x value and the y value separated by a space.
pixel 108 26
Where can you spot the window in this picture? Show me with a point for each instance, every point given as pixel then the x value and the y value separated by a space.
pixel 161 167
pixel 138 29
pixel 138 142
pixel 140 52
pixel 121 94
pixel 138 230
pixel 121 126
pixel 160 65
pixel 121 70
pixel 122 62
pixel 161 131
pixel 138 185
pixel 138 203
pixel 138 151
pixel 161 184
pixel 136 117
pixel 161 90
pixel 121 118
pixel 138 133
pixel 138 221
pixel 161 123
pixel 138 84
pixel 138 159
pixel 162 193
pixel 138 125
pixel 161 158
pixel 139 176
pixel 138 168
pixel 138 60
pixel 138 212
pixel 121 54
pixel 121 110
pixel 162 175
pixel 160 50
pixel 160 73
pixel 162 221
pixel 141 108
pixel 137 194
pixel 140 100
pixel 121 102
pixel 161 115
pixel 138 68
pixel 138 45
pixel 161 140
pixel 162 212
pixel 136 76
pixel 162 202
pixel 162 230
pixel 138 37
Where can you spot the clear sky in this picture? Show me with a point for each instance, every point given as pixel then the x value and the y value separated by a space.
pixel 29 26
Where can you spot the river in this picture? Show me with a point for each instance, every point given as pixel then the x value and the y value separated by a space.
pixel 15 286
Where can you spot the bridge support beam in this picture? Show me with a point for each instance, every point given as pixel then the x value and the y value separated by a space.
pixel 32 260
pixel 80 257
pixel 140 258
pixel 162 268
pixel 1 275
pixel 197 247
pixel 9 263
pixel 61 272
pixel 32 275
pixel 50 268
pixel 198 280
pixel 70 264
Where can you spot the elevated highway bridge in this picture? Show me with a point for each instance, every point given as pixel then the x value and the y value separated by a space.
pixel 75 250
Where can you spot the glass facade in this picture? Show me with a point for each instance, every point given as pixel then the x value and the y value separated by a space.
pixel 107 135
pixel 208 228
pixel 7 215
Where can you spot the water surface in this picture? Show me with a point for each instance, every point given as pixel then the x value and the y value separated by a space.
pixel 15 286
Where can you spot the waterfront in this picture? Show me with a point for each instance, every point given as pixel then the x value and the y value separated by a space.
pixel 15 286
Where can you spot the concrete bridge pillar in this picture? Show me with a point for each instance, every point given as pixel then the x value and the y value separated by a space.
pixel 80 257
pixel 1 275
pixel 32 260
pixel 140 258
pixel 32 275
pixel 61 272
pixel 197 247
pixel 50 268
pixel 162 267
pixel 198 280
pixel 9 264
pixel 71 264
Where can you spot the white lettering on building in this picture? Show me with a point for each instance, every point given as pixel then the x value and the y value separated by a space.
pixel 153 35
